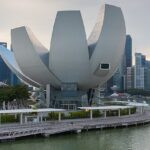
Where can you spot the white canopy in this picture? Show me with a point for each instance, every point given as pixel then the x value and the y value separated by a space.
pixel 128 103
pixel 138 104
pixel 106 107
pixel 119 102
pixel 21 111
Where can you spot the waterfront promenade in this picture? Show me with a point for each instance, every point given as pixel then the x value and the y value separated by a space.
pixel 13 131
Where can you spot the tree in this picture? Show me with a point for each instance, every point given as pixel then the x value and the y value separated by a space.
pixel 18 92
pixel 21 94
pixel 6 94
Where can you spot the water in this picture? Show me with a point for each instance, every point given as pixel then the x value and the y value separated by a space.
pixel 134 138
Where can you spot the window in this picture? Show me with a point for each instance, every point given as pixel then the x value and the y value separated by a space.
pixel 104 66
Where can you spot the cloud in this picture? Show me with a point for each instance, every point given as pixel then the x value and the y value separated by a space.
pixel 39 15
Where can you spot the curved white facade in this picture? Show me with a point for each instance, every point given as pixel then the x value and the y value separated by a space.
pixel 109 45
pixel 73 58
pixel 69 57
pixel 30 54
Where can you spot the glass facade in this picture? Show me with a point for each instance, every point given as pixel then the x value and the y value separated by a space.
pixel 5 73
pixel 139 70
pixel 128 51
pixel 14 79
pixel 147 79
pixel 120 77
pixel 130 77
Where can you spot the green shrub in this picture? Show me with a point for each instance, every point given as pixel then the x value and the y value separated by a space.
pixel 96 113
pixel 122 112
pixel 9 119
pixel 79 114
pixel 54 116
pixel 133 110
pixel 86 114
pixel 112 113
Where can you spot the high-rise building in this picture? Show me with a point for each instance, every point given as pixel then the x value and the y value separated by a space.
pixel 127 60
pixel 14 79
pixel 128 51
pixel 147 75
pixel 139 71
pixel 143 61
pixel 147 64
pixel 130 78
pixel 120 77
pixel 5 73
pixel 147 79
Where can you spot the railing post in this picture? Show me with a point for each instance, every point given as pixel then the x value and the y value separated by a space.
pixel 21 118
pixel 119 114
pixel 91 114
pixel 105 113
pixel 41 117
pixel 141 109
pixel 0 119
pixel 129 111
pixel 59 116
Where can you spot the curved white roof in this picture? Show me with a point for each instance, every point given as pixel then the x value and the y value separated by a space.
pixel 138 104
pixel 69 56
pixel 19 111
pixel 106 107
pixel 29 54
pixel 110 44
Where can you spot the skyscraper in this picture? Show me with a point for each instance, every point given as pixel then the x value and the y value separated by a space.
pixel 127 59
pixel 147 75
pixel 148 64
pixel 14 79
pixel 5 73
pixel 120 77
pixel 139 70
pixel 130 78
pixel 128 51
pixel 147 79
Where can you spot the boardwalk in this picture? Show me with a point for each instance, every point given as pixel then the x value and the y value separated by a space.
pixel 12 131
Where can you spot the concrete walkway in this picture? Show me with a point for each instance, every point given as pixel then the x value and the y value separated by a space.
pixel 12 131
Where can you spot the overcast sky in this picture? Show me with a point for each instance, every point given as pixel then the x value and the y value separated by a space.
pixel 39 15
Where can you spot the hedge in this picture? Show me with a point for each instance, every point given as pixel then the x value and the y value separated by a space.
pixel 9 119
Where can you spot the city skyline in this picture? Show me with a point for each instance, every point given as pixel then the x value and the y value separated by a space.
pixel 39 15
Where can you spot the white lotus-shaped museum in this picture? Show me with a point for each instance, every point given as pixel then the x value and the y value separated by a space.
pixel 72 58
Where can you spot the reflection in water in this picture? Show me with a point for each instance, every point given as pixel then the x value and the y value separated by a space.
pixel 134 138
